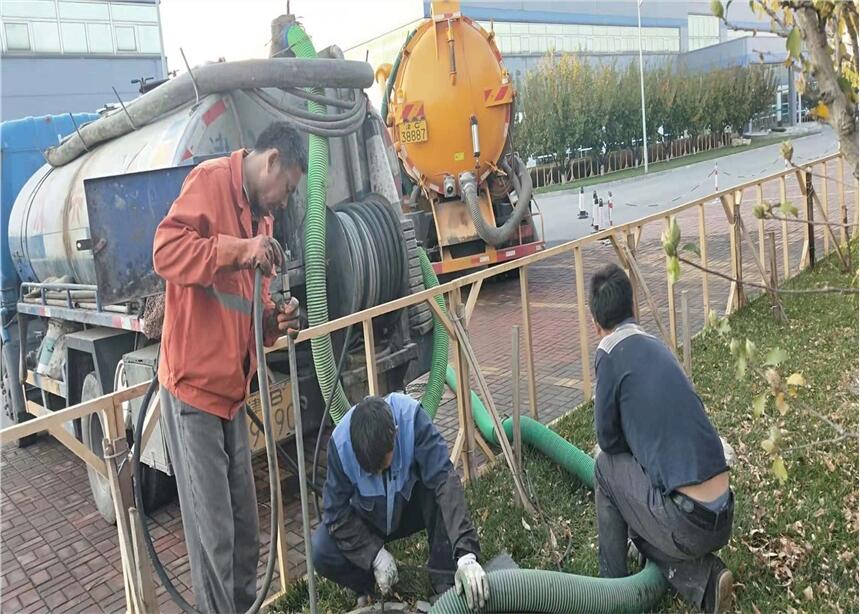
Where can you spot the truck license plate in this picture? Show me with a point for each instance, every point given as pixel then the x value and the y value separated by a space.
pixel 413 132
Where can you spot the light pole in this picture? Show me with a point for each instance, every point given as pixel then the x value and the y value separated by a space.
pixel 642 82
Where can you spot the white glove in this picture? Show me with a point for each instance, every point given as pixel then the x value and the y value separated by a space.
pixel 471 579
pixel 385 571
pixel 729 453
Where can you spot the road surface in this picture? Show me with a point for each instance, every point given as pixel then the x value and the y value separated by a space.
pixel 636 197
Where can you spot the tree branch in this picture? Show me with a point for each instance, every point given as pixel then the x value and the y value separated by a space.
pixel 814 444
pixel 824 290
pixel 842 111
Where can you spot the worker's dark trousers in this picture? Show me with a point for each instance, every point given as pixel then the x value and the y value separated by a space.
pixel 676 540
pixel 421 513
pixel 211 458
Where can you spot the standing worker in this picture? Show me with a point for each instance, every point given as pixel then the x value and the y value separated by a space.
pixel 389 476
pixel 218 231
pixel 662 476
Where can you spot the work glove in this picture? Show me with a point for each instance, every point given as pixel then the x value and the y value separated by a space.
pixel 471 582
pixel 385 571
pixel 260 251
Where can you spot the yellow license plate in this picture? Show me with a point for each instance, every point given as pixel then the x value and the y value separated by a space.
pixel 413 132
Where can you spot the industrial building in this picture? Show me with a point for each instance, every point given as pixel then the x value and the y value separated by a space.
pixel 63 56
pixel 604 31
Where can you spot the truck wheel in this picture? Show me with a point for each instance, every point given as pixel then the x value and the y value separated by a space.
pixel 92 435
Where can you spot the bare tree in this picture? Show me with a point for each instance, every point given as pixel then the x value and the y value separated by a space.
pixel 821 41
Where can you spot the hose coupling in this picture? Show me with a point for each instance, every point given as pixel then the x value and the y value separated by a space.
pixel 468 185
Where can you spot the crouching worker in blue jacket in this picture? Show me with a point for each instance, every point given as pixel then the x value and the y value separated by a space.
pixel 389 476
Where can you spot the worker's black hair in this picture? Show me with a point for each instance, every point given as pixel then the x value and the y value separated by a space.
pixel 290 146
pixel 611 298
pixel 372 433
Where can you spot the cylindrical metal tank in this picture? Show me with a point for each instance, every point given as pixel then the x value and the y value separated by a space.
pixel 451 98
pixel 49 216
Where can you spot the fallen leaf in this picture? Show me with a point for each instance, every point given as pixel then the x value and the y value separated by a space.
pixel 808 594
pixel 775 356
pixel 779 469
pixel 526 525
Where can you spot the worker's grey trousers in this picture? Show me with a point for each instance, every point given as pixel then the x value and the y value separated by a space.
pixel 628 505
pixel 211 458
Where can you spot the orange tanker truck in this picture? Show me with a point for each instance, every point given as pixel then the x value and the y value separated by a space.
pixel 448 105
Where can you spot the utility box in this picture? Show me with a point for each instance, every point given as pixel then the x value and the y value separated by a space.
pixel 140 366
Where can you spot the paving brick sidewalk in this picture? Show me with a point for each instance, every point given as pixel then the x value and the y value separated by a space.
pixel 57 554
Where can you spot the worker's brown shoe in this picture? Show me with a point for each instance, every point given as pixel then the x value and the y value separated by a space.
pixel 720 592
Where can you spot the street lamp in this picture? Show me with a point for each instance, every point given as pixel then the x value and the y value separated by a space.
pixel 642 82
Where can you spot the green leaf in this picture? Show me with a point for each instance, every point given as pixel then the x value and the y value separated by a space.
pixel 786 208
pixel 692 247
pixel 768 446
pixel 734 347
pixel 792 43
pixel 796 379
pixel 717 9
pixel 724 328
pixel 759 404
pixel 779 469
pixel 750 348
pixel 741 366
pixel 775 357
pixel 673 269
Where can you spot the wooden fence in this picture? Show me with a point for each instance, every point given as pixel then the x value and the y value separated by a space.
pixel 545 175
pixel 139 586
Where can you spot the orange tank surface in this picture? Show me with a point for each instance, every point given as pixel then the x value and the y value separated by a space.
pixel 451 101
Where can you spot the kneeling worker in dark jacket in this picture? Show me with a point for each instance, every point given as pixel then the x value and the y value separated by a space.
pixel 662 476
pixel 389 476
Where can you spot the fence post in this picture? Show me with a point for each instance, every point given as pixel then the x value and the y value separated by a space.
pixel 843 210
pixel 703 250
pixel 527 333
pixel 631 245
pixel 583 317
pixel 515 375
pixel 685 332
pixel 786 265
pixel 810 218
pixel 776 304
pixel 739 248
pixel 760 201
pixel 670 287
pixel 370 357
pixel 826 204
pixel 464 409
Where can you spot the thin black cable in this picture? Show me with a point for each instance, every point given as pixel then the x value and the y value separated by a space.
pixel 341 361
pixel 287 458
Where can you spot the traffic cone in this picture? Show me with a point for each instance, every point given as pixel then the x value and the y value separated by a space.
pixel 582 212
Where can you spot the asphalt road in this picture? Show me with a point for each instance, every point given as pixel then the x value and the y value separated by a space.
pixel 637 197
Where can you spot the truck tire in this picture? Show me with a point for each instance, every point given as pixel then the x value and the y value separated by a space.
pixel 92 434
pixel 158 488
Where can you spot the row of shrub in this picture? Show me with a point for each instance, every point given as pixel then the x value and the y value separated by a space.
pixel 568 104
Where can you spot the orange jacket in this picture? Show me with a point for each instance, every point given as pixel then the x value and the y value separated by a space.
pixel 207 343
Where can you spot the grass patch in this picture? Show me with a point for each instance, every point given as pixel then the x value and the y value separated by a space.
pixel 794 546
pixel 711 154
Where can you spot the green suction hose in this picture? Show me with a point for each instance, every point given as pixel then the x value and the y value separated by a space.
pixel 532 590
pixel 314 243
pixel 439 361
pixel 535 590
pixel 389 83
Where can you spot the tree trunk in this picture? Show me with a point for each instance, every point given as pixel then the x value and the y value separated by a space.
pixel 842 112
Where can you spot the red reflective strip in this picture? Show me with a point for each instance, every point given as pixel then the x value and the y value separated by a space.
pixel 406 110
pixel 487 93
pixel 214 112
pixel 186 154
pixel 502 92
pixel 419 114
